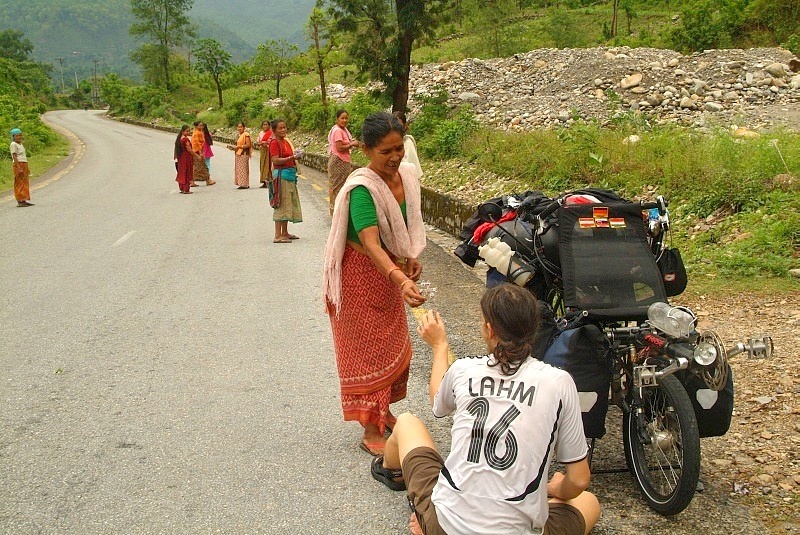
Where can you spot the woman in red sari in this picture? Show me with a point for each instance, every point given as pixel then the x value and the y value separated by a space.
pixel 184 161
pixel 371 267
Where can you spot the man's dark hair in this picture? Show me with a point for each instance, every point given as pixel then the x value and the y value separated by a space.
pixel 513 313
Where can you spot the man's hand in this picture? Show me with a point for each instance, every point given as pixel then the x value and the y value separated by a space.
pixel 431 329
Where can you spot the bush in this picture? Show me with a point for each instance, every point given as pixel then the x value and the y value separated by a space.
pixel 448 137
pixel 236 112
pixel 433 110
pixel 16 114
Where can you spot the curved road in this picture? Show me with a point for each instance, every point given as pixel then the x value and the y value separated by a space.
pixel 166 367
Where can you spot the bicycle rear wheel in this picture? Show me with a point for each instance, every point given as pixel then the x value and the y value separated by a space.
pixel 662 447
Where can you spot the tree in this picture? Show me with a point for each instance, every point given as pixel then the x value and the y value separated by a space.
pixel 384 31
pixel 321 31
pixel 614 17
pixel 212 59
pixel 274 59
pixel 166 24
pixel 14 45
pixel 489 20
pixel 630 12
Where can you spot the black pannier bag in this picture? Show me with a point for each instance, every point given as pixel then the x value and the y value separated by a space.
pixel 673 272
pixel 714 410
pixel 583 352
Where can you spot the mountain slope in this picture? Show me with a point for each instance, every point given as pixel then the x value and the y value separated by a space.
pixel 82 31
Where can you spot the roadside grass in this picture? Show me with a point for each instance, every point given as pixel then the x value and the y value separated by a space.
pixel 39 162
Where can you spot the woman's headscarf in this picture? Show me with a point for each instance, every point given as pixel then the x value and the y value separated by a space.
pixel 14 132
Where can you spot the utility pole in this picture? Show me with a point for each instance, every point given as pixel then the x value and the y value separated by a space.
pixel 61 64
pixel 95 94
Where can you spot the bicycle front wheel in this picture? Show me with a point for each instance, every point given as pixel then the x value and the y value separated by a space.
pixel 662 447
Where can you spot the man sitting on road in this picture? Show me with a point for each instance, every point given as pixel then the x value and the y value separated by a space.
pixel 512 413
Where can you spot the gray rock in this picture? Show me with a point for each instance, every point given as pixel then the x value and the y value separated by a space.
pixel 713 107
pixel 631 81
pixel 687 103
pixel 795 273
pixel 469 97
pixel 776 69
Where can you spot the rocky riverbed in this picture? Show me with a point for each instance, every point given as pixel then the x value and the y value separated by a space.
pixel 544 88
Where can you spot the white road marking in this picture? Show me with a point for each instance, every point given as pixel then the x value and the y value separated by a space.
pixel 124 238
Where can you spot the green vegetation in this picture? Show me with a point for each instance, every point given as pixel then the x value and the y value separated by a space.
pixel 25 93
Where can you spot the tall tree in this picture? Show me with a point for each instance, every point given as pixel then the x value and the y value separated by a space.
pixel 166 24
pixel 614 17
pixel 274 59
pixel 321 31
pixel 213 60
pixel 384 32
pixel 14 45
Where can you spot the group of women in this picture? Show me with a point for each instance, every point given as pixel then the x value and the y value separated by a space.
pixel 278 158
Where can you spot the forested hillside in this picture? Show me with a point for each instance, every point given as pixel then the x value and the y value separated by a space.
pixel 81 31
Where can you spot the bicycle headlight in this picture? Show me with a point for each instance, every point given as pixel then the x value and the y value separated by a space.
pixel 705 353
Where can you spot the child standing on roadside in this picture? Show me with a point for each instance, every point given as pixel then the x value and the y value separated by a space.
pixel 512 414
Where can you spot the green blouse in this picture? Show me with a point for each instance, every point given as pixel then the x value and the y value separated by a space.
pixel 363 213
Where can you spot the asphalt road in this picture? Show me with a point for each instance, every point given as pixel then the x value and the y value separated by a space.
pixel 166 368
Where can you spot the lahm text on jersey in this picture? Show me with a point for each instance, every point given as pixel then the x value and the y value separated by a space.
pixel 514 390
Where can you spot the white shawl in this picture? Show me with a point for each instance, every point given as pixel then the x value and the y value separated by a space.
pixel 404 241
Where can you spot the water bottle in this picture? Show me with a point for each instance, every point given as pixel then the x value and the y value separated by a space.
pixel 500 256
pixel 674 321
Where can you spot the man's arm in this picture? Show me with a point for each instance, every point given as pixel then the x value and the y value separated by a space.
pixel 431 330
pixel 569 486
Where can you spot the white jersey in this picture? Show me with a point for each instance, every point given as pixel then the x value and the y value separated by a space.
pixel 19 150
pixel 505 432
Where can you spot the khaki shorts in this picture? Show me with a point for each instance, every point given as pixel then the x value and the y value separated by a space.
pixel 421 468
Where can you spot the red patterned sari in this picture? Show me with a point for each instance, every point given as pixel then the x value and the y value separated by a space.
pixel 370 336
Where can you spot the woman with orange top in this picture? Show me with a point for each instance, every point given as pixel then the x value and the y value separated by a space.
pixel 243 149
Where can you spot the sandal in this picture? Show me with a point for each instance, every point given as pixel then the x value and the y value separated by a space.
pixel 373 448
pixel 281 240
pixel 391 478
pixel 292 237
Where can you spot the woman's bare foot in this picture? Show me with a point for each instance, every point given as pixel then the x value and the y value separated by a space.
pixel 372 442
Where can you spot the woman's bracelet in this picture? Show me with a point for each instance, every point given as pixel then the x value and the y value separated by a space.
pixel 389 273
pixel 404 283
